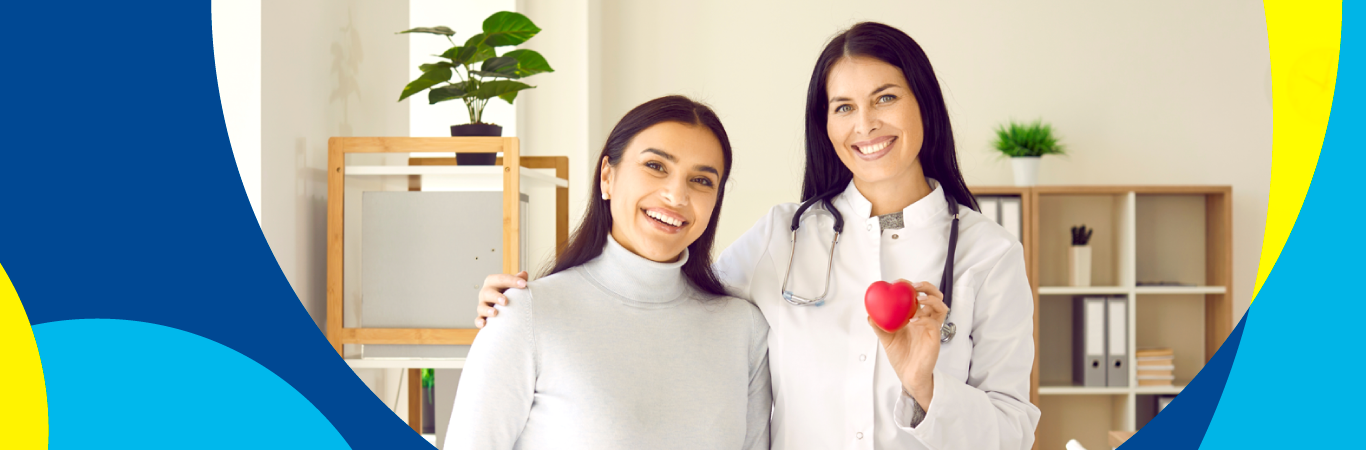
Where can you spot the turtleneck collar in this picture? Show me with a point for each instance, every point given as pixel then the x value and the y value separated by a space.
pixel 635 279
pixel 919 212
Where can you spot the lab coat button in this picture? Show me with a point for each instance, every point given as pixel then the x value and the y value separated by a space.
pixel 859 435
pixel 895 236
pixel 862 357
pixel 870 227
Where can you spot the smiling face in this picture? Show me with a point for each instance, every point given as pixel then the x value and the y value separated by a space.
pixel 873 121
pixel 664 189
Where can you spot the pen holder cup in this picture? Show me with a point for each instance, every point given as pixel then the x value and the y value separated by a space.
pixel 1079 266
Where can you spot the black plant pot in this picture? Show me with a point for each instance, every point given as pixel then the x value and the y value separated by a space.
pixel 476 129
pixel 429 408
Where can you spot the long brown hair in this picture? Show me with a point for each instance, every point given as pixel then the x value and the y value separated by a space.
pixel 591 235
pixel 825 173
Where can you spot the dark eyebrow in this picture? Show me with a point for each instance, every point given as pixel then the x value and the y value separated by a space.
pixel 659 152
pixel 884 87
pixel 671 158
pixel 875 91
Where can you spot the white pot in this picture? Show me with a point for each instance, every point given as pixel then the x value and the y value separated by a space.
pixel 1079 266
pixel 1026 170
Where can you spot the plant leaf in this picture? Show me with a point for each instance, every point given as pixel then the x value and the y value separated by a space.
pixel 500 64
pixel 441 30
pixel 448 92
pixel 452 53
pixel 529 62
pixel 428 79
pixel 474 51
pixel 504 89
pixel 427 67
pixel 508 28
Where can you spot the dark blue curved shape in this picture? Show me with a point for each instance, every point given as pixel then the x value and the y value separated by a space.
pixel 1183 423
pixel 122 199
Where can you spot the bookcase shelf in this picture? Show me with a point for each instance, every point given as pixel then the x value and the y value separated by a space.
pixel 1083 290
pixel 1122 390
pixel 1174 240
pixel 1179 290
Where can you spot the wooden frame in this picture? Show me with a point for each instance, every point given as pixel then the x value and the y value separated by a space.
pixel 512 161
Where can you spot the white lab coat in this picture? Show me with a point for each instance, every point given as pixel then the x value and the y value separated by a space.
pixel 833 387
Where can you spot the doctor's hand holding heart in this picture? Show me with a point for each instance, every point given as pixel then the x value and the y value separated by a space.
pixel 907 318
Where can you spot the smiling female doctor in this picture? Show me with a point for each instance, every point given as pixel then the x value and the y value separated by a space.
pixel 880 156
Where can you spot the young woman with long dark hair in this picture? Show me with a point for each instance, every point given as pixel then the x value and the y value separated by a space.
pixel 630 342
pixel 882 200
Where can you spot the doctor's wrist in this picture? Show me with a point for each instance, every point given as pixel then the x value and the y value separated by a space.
pixel 922 391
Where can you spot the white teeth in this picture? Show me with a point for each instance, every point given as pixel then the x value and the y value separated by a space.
pixel 663 218
pixel 874 148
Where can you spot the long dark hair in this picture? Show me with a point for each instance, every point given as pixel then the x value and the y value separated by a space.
pixel 825 173
pixel 591 235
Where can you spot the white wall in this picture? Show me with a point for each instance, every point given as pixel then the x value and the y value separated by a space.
pixel 1154 93
pixel 560 116
pixel 328 68
pixel 237 61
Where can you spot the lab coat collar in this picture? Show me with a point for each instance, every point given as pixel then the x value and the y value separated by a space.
pixel 921 212
pixel 635 278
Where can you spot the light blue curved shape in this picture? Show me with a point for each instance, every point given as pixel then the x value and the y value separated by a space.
pixel 1294 382
pixel 118 383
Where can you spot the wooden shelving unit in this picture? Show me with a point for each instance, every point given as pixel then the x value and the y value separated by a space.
pixel 508 175
pixel 1179 234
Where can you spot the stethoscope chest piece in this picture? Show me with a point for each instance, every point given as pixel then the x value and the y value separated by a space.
pixel 947 331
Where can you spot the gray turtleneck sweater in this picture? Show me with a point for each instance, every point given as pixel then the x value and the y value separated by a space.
pixel 618 353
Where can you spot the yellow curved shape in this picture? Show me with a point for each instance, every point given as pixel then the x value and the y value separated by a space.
pixel 23 420
pixel 1305 38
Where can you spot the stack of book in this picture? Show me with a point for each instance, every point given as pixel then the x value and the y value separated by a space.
pixel 1155 366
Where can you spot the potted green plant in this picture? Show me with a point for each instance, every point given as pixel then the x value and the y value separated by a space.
pixel 474 73
pixel 1025 144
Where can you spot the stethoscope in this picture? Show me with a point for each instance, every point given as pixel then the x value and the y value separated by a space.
pixel 946 332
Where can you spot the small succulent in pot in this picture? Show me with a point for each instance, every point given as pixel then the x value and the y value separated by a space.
pixel 1025 144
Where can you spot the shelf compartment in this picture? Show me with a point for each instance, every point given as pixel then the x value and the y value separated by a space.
pixel 1086 418
pixel 1170 235
pixel 1112 248
pixel 1176 322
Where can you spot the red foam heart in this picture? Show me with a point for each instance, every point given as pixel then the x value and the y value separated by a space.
pixel 889 304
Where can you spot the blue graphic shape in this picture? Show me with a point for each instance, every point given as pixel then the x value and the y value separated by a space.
pixel 124 201
pixel 1182 423
pixel 132 384
pixel 1295 383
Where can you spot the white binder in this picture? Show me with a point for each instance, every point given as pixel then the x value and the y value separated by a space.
pixel 1117 341
pixel 990 208
pixel 1088 341
pixel 1011 216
